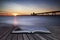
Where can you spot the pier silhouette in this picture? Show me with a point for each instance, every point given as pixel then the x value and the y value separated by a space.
pixel 47 13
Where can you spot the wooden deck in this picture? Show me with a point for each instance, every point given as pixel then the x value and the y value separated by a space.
pixel 5 34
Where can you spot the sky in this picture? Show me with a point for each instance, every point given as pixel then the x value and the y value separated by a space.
pixel 29 6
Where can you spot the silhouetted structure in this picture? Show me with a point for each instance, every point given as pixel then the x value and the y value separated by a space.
pixel 34 14
pixel 47 13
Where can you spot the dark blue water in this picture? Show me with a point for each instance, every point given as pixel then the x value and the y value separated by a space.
pixel 32 22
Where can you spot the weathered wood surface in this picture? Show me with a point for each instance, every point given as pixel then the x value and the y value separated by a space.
pixel 5 34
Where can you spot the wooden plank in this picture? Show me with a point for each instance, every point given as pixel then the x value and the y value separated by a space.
pixel 5 31
pixel 51 37
pixel 20 36
pixel 4 37
pixel 25 37
pixel 30 37
pixel 42 38
pixel 15 37
pixel 55 30
pixel 6 34
pixel 35 37
pixel 10 37
pixel 46 37
pixel 2 32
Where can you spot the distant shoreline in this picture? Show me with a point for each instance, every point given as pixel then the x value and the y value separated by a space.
pixel 36 15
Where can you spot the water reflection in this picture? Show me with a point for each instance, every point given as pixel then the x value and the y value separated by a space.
pixel 15 21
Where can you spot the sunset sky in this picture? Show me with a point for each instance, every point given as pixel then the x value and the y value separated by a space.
pixel 29 6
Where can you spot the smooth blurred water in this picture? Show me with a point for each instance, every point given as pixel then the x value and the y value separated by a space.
pixel 31 22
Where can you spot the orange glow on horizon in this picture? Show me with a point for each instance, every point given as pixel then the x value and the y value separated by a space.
pixel 15 14
pixel 3 13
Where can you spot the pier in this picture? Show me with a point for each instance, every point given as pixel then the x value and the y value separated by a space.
pixel 47 13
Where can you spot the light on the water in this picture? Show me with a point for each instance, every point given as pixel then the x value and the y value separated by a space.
pixel 15 20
